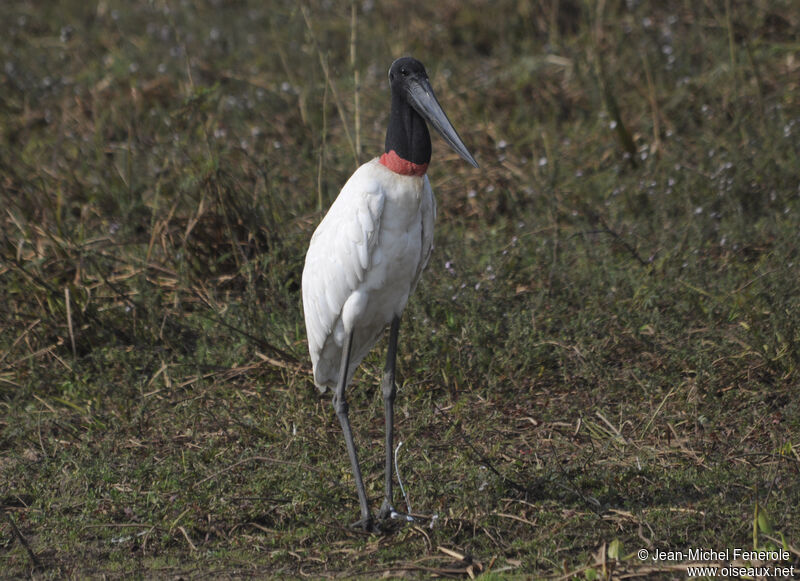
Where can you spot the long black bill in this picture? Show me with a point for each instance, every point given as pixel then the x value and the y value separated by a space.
pixel 421 97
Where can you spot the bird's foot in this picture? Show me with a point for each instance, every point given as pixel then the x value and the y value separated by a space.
pixel 367 524
pixel 375 526
pixel 387 512
pixel 388 520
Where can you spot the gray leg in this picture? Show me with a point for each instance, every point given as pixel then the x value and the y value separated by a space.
pixel 340 405
pixel 389 393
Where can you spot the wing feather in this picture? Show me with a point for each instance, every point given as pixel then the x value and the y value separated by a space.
pixel 337 261
pixel 428 212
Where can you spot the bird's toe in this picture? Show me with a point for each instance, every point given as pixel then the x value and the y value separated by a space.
pixel 386 510
pixel 387 513
pixel 366 524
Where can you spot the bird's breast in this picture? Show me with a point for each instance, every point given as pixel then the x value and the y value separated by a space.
pixel 397 255
pixel 401 251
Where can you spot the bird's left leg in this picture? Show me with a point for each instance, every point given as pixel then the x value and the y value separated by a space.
pixel 389 394
pixel 341 407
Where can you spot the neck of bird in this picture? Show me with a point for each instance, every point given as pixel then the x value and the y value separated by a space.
pixel 408 142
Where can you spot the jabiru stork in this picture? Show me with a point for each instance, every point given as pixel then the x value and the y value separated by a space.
pixel 366 257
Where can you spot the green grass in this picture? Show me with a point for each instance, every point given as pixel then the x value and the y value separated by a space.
pixel 602 356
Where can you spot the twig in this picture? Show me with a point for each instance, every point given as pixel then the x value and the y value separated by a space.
pixel 482 457
pixel 651 95
pixel 324 63
pixel 18 339
pixel 89 312
pixel 356 79
pixel 782 542
pixel 514 517
pixel 731 41
pixel 69 322
pixel 253 459
pixel 260 342
pixel 296 367
pixel 655 413
pixel 34 559
pixel 399 481
pixel 593 503
pixel 606 229
pixel 611 427
pixel 188 540
pixel 289 71
pixel 320 164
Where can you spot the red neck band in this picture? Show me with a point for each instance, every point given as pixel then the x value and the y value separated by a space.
pixel 402 166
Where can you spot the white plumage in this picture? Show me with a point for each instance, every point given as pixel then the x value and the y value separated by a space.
pixel 364 260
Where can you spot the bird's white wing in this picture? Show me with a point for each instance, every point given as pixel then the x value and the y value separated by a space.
pixel 428 213
pixel 337 261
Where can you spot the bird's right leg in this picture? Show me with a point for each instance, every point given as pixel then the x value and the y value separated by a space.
pixel 340 405
pixel 389 393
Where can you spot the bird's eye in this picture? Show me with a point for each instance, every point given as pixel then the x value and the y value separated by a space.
pixel 404 72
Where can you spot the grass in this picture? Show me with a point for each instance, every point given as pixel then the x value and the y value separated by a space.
pixel 602 357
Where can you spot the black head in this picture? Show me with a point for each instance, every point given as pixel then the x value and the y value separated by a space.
pixel 404 70
pixel 410 84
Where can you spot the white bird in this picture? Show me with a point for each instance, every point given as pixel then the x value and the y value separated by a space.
pixel 366 256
